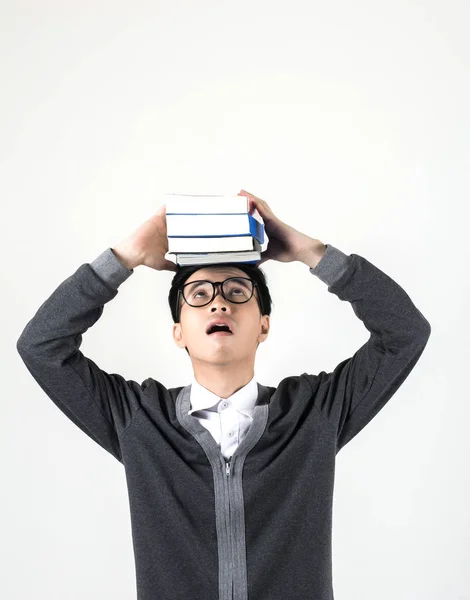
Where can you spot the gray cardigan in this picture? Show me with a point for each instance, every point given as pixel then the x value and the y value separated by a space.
pixel 257 527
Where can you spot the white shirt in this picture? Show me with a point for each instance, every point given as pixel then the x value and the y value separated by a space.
pixel 227 419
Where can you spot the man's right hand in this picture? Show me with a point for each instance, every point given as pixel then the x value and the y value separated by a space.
pixel 147 245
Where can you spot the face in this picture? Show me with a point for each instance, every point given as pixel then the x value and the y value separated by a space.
pixel 247 324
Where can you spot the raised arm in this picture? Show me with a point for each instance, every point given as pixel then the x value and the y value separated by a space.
pixel 358 388
pixel 101 404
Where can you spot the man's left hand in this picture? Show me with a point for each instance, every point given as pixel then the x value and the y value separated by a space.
pixel 285 244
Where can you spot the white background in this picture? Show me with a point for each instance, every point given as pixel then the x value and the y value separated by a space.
pixel 351 119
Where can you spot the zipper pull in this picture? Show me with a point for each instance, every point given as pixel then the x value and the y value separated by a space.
pixel 227 468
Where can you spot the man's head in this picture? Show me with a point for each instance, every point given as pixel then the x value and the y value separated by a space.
pixel 248 321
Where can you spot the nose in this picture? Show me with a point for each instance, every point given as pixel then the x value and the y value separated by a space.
pixel 218 299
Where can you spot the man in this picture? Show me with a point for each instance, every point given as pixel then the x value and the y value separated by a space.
pixel 230 481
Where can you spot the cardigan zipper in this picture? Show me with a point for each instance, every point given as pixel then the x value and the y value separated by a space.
pixel 229 524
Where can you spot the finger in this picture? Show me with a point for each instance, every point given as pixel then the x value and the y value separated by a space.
pixel 266 255
pixel 161 211
pixel 262 206
pixel 252 197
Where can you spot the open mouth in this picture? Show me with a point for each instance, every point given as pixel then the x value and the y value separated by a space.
pixel 219 330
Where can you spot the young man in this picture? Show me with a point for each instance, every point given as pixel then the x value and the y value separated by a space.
pixel 230 481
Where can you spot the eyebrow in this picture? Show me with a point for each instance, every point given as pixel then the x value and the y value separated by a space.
pixel 242 277
pixel 218 278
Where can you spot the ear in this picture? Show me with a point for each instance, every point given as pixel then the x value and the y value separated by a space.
pixel 264 326
pixel 178 335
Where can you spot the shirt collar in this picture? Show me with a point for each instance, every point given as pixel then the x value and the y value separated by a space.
pixel 243 399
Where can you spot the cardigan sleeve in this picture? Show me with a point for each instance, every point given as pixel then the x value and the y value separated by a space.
pixel 358 388
pixel 101 404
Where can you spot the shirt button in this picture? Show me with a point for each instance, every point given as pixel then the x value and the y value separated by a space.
pixel 231 433
pixel 224 404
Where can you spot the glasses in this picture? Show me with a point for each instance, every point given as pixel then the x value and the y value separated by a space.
pixel 234 289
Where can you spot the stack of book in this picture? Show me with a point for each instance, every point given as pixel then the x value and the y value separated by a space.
pixel 213 229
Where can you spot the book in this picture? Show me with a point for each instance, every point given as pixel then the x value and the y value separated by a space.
pixel 217 257
pixel 222 225
pixel 213 229
pixel 205 204
pixel 212 244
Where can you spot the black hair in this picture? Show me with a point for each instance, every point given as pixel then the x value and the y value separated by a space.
pixel 251 270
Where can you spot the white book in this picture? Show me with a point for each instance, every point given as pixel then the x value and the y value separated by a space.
pixel 205 204
pixel 216 257
pixel 232 243
pixel 182 225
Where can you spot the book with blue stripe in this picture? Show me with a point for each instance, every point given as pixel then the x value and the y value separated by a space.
pixel 219 225
pixel 234 243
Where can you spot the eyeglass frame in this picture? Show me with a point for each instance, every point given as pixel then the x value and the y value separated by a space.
pixel 214 294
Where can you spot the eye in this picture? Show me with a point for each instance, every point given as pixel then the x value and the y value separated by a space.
pixel 235 290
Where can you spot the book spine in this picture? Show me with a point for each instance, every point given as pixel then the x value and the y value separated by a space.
pixel 256 229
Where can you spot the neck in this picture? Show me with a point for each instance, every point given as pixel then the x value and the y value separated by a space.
pixel 222 380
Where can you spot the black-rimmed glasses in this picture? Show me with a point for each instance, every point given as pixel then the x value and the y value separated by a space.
pixel 234 289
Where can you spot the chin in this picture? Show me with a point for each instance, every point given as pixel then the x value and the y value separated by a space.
pixel 217 354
